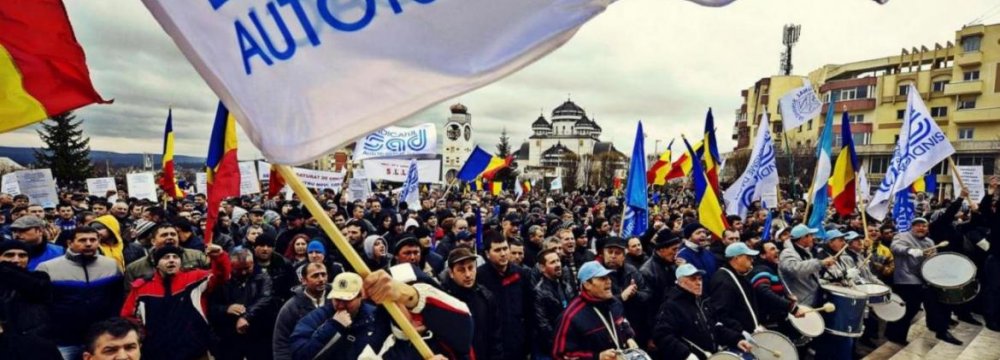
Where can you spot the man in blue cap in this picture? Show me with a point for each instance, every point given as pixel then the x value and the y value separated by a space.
pixel 688 326
pixel 844 269
pixel 800 268
pixel 732 293
pixel 595 308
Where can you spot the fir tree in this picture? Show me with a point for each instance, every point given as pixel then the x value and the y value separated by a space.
pixel 503 147
pixel 67 151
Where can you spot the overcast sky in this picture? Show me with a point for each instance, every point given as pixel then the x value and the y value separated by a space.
pixel 664 62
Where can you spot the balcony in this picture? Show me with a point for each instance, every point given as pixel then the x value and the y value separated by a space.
pixel 853 105
pixel 970 116
pixel 964 88
pixel 972 58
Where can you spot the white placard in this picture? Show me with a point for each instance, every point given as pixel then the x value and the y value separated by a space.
pixel 972 176
pixel 141 185
pixel 248 178
pixel 428 171
pixel 101 186
pixel 359 189
pixel 201 183
pixel 263 171
pixel 314 179
pixel 360 173
pixel 37 184
pixel 10 184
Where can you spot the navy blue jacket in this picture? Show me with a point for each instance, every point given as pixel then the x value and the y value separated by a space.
pixel 513 291
pixel 318 336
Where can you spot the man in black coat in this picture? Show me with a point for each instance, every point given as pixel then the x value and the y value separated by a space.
pixel 274 266
pixel 24 295
pixel 626 283
pixel 658 273
pixel 552 295
pixel 687 322
pixel 242 312
pixel 305 299
pixel 510 285
pixel 487 340
pixel 730 291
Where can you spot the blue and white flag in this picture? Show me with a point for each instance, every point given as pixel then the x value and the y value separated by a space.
pixel 799 105
pixel 636 218
pixel 903 210
pixel 921 146
pixel 760 176
pixel 556 184
pixel 411 189
pixel 820 184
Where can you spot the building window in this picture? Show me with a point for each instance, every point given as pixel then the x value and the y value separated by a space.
pixel 987 161
pixel 967 103
pixel 938 85
pixel 847 94
pixel 965 133
pixel 862 92
pixel 900 114
pixel 878 164
pixel 861 139
pixel 971 43
pixel 970 75
pixel 939 111
pixel 810 125
pixel 856 118
pixel 903 89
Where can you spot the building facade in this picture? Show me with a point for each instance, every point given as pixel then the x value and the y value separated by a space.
pixel 958 81
pixel 569 145
pixel 458 143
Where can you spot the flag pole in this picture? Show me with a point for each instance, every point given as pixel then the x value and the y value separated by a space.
pixel 352 257
pixel 954 170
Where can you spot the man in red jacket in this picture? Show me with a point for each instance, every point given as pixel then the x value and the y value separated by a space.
pixel 172 305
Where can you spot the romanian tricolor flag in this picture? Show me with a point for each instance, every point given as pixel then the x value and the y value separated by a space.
pixel 842 181
pixel 682 167
pixel 496 187
pixel 526 186
pixel 711 157
pixel 43 71
pixel 167 181
pixel 710 213
pixel 657 174
pixel 221 167
pixel 928 184
pixel 481 164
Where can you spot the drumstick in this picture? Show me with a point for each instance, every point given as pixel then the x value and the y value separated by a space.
pixel 749 338
pixel 840 252
pixel 828 307
pixel 941 245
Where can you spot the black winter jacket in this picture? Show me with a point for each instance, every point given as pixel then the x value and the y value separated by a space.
pixel 551 298
pixel 683 316
pixel 487 340
pixel 24 300
pixel 728 301
pixel 512 290
pixel 255 294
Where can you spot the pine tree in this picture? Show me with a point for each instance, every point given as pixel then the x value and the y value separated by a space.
pixel 67 151
pixel 503 147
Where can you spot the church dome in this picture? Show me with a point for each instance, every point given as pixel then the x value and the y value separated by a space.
pixel 584 123
pixel 541 123
pixel 459 109
pixel 568 108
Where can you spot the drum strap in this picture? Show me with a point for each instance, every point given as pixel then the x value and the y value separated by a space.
pixel 696 347
pixel 610 327
pixel 745 299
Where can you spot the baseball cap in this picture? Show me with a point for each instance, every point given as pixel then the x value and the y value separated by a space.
pixel 614 241
pixel 801 230
pixel 590 270
pixel 914 221
pixel 346 286
pixel 833 234
pixel 27 222
pixel 687 270
pixel 459 255
pixel 852 235
pixel 738 248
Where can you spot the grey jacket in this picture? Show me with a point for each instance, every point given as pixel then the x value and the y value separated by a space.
pixel 908 267
pixel 800 274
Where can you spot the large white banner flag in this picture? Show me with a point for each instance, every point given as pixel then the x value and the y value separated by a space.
pixel 395 141
pixel 760 176
pixel 305 77
pixel 921 145
pixel 799 105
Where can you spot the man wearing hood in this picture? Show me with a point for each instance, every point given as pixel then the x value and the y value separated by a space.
pixel 111 243
pixel 86 288
pixel 164 234
pixel 170 303
pixel 30 230
pixel 305 298
pixel 242 311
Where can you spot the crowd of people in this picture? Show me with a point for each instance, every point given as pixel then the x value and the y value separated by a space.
pixel 541 276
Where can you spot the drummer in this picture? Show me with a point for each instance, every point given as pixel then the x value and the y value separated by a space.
pixel 687 326
pixel 799 268
pixel 844 271
pixel 910 248
pixel 855 251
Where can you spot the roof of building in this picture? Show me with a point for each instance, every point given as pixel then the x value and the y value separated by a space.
pixel 541 123
pixel 605 147
pixel 459 109
pixel 584 122
pixel 523 152
pixel 557 149
pixel 568 108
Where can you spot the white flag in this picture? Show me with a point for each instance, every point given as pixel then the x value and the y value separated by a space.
pixel 799 105
pixel 760 176
pixel 305 77
pixel 411 191
pixel 556 184
pixel 921 145
pixel 864 190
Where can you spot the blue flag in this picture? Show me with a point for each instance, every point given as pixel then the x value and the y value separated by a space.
pixel 767 226
pixel 479 229
pixel 411 192
pixel 902 210
pixel 636 218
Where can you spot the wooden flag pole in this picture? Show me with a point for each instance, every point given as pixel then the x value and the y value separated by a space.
pixel 352 257
pixel 954 170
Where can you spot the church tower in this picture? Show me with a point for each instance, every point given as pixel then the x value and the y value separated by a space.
pixel 457 141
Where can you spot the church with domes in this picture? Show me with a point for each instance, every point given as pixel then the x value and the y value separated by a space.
pixel 569 137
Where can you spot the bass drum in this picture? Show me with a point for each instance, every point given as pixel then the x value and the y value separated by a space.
pixel 633 354
pixel 892 310
pixel 728 355
pixel 772 345
pixel 951 276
